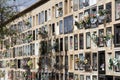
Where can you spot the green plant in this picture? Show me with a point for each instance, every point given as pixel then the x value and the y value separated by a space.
pixel 113 62
pixel 60 9
pixel 29 63
pixel 79 24
pixel 108 37
pixel 12 64
pixel 103 12
pixel 87 20
pixel 94 38
pixel 110 63
pixel 2 73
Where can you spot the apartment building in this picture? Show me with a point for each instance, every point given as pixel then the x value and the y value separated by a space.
pixel 63 40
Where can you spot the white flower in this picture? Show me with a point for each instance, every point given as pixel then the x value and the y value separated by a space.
pixel 115 61
pixel 98 15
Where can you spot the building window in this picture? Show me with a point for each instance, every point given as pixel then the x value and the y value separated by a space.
pixel 46 15
pixel 81 41
pixel 109 33
pixel 42 17
pixel 75 5
pixel 71 62
pixel 87 24
pixel 101 36
pixel 33 34
pixel 81 4
pixel 117 9
pixel 39 18
pixel 88 43
pixel 94 57
pixel 53 29
pixel 76 77
pixel 71 43
pixel 80 18
pixel 109 15
pixel 88 78
pixel 76 62
pixel 117 35
pixel 61 27
pixel 117 56
pixel 80 65
pixel 49 14
pixel 56 11
pixel 86 3
pixel 101 7
pixel 81 77
pixel 93 19
pixel 94 77
pixel 88 61
pixel 37 34
pixel 68 24
pixel 76 42
pixel 101 62
pixel 71 76
pixel 117 77
pixel 60 9
pixel 61 44
pixel 66 43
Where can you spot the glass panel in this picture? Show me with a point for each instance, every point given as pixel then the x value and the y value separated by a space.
pixel 94 57
pixel 88 43
pixel 80 19
pixel 76 42
pixel 101 35
pixel 61 44
pixel 71 61
pixel 87 61
pixel 93 17
pixel 94 77
pixel 81 58
pixel 68 24
pixel 66 43
pixel 81 4
pixel 81 77
pixel 117 35
pixel 76 77
pixel 117 9
pixel 109 35
pixel 117 56
pixel 76 62
pixel 88 78
pixel 61 27
pixel 81 41
pixel 109 7
pixel 71 42
pixel 75 5
pixel 60 9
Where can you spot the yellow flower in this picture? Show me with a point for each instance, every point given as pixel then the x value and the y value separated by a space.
pixel 85 61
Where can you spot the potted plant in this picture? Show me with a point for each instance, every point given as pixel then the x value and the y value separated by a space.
pixel 113 62
pixel 2 73
pixel 94 38
pixel 43 32
pixel 79 24
pixel 87 21
pixel 30 63
pixel 107 40
pixel 12 64
pixel 103 15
